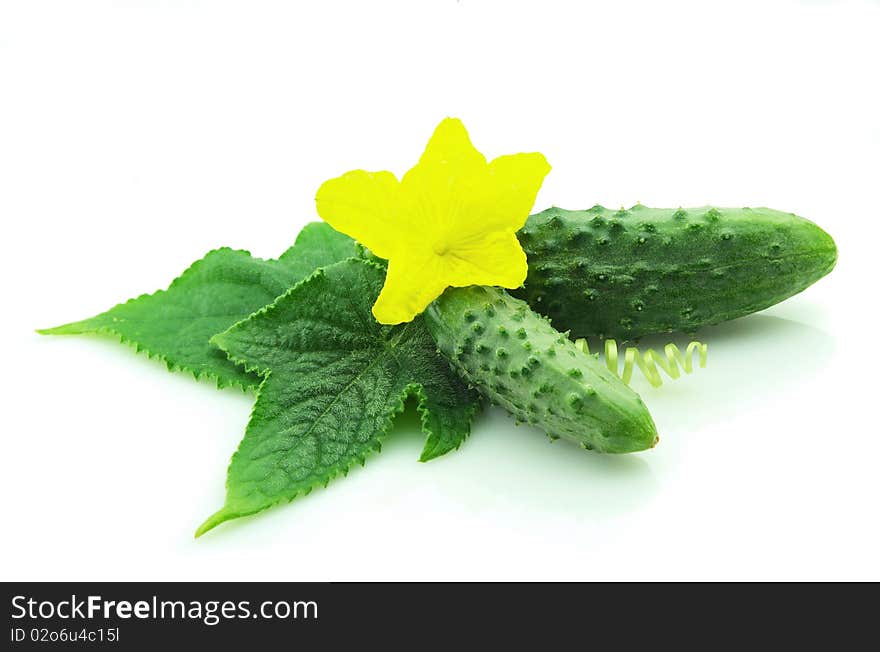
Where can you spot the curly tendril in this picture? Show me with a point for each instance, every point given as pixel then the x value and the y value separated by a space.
pixel 670 361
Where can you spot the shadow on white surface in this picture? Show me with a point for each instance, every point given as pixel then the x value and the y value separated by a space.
pixel 506 466
pixel 509 469
pixel 752 361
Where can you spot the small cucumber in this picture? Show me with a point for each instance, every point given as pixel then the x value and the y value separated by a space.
pixel 627 273
pixel 515 358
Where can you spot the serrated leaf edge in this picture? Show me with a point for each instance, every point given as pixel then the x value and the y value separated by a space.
pixel 218 339
pixel 225 514
pixel 79 328
pixel 429 452
pixel 220 382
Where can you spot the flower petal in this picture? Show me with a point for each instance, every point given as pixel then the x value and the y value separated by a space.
pixel 361 204
pixel 450 144
pixel 517 179
pixel 437 193
pixel 412 282
pixel 494 259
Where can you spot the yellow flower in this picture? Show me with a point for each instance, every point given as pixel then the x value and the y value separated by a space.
pixel 450 221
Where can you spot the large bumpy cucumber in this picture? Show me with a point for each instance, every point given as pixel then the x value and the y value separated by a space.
pixel 646 270
pixel 514 357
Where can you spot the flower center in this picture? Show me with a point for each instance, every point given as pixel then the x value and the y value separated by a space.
pixel 441 248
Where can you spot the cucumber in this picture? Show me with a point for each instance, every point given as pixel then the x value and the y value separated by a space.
pixel 515 358
pixel 628 273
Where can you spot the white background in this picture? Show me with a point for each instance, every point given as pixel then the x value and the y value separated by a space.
pixel 135 136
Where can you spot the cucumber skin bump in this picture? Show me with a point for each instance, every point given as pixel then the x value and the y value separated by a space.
pixel 628 273
pixel 517 360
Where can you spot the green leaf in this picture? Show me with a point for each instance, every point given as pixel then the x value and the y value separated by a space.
pixel 224 287
pixel 334 381
pixel 317 245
